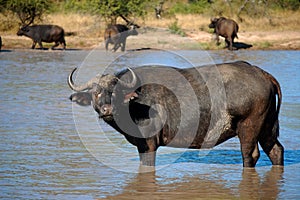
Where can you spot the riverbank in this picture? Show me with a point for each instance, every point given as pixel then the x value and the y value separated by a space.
pixel 163 39
pixel 87 33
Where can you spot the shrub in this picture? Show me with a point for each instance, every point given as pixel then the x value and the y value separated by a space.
pixel 176 29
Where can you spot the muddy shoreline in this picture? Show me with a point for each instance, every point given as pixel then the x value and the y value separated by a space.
pixel 163 39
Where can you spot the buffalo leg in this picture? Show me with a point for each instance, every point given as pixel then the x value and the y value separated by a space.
pixel 229 43
pixel 106 44
pixel 116 47
pixel 33 45
pixel 274 150
pixel 55 45
pixel 147 151
pixel 40 44
pixel 270 144
pixel 248 133
pixel 147 158
pixel 123 46
pixel 63 43
pixel 217 39
pixel 250 153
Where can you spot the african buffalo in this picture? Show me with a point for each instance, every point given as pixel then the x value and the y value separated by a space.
pixel 151 110
pixel 226 28
pixel 117 35
pixel 44 33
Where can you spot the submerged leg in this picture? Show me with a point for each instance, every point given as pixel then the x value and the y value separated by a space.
pixel 271 145
pixel 147 159
pixel 147 151
pixel 248 132
pixel 274 150
pixel 250 154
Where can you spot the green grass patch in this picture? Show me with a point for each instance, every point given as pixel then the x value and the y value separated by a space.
pixel 176 29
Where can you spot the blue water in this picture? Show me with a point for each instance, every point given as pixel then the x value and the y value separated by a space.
pixel 47 152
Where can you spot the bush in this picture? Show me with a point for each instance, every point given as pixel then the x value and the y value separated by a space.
pixel 27 11
pixel 288 4
pixel 176 29
pixel 83 6
pixel 192 7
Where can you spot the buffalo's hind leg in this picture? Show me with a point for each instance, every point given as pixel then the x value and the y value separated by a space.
pixel 272 146
pixel 106 45
pixel 250 153
pixel 41 45
pixel 55 45
pixel 63 43
pixel 248 133
pixel 229 43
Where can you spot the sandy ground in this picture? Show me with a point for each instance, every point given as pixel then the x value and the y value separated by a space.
pixel 163 39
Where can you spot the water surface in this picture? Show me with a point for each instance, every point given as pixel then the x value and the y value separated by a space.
pixel 45 154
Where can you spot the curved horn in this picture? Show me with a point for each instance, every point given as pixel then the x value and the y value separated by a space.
pixel 133 81
pixel 80 88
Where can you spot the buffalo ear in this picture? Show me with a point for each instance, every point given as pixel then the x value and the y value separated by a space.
pixel 130 96
pixel 82 98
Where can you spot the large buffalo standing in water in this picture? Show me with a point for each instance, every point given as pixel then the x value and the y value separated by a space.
pixel 226 28
pixel 151 110
pixel 117 35
pixel 44 33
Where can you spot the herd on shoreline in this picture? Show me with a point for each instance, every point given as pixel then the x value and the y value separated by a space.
pixel 116 35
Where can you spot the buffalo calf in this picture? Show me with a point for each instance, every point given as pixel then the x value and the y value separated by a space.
pixel 117 35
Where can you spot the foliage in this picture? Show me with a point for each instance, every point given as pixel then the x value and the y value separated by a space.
pixel 287 4
pixel 112 9
pixel 190 7
pixel 176 29
pixel 27 11
pixel 83 6
pixel 251 8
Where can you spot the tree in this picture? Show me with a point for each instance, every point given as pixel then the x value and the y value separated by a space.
pixel 28 10
pixel 112 9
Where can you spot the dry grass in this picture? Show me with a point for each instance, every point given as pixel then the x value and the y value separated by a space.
pixel 89 29
pixel 284 20
pixel 81 24
pixel 186 22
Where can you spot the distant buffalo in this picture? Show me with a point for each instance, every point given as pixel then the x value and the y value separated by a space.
pixel 117 35
pixel 44 33
pixel 226 28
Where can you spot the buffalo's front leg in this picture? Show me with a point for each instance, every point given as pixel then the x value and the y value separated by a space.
pixel 147 152
pixel 217 39
pixel 147 158
pixel 123 46
pixel 116 47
